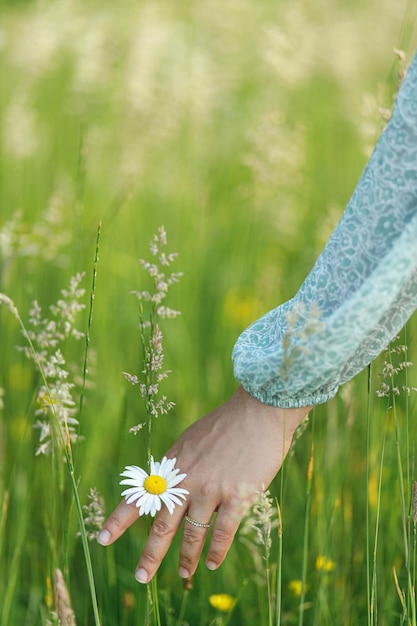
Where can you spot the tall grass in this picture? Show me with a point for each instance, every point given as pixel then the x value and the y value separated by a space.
pixel 243 128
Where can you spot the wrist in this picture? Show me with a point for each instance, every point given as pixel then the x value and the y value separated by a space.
pixel 289 418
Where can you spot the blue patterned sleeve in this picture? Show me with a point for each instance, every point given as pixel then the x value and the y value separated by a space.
pixel 361 290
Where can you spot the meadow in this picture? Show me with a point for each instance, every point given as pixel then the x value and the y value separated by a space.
pixel 242 127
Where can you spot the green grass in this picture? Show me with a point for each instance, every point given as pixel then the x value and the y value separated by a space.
pixel 240 127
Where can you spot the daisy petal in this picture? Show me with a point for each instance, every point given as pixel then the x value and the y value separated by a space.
pixel 133 483
pixel 167 466
pixel 175 480
pixel 131 471
pixel 168 503
pixel 171 498
pixel 132 498
pixel 145 507
pixel 133 490
pixel 179 491
pixel 152 505
pixel 142 501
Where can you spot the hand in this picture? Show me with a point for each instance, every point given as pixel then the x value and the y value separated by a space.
pixel 228 455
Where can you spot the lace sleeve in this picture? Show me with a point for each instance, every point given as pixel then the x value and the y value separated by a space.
pixel 361 290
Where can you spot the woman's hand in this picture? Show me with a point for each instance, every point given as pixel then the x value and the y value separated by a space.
pixel 228 455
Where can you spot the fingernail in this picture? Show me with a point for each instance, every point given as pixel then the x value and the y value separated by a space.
pixel 104 537
pixel 184 573
pixel 141 575
pixel 211 565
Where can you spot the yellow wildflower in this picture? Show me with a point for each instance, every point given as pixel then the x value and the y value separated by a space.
pixel 373 492
pixel 240 307
pixel 323 564
pixel 222 601
pixel 129 600
pixel 49 595
pixel 20 377
pixel 296 586
pixel 20 428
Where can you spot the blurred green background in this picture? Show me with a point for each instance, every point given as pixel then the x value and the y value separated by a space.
pixel 242 126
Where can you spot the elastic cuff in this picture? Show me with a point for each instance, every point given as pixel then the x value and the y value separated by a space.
pixel 294 402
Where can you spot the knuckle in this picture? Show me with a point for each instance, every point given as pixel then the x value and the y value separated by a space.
pixel 160 528
pixel 222 535
pixel 205 490
pixel 189 537
pixel 115 524
pixel 186 561
pixel 216 556
pixel 148 559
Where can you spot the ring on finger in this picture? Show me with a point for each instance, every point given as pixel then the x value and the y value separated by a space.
pixel 194 522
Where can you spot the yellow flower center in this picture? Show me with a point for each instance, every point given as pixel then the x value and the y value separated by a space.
pixel 155 484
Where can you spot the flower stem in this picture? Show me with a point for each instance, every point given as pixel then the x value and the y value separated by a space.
pixel 368 539
pixel 87 334
pixel 306 530
pixel 183 607
pixel 87 555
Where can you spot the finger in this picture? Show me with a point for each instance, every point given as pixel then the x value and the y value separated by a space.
pixel 163 530
pixel 193 537
pixel 222 536
pixel 117 523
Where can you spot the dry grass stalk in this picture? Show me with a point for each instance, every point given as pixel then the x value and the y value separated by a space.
pixel 63 601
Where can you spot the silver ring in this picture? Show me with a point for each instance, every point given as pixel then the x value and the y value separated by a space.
pixel 194 522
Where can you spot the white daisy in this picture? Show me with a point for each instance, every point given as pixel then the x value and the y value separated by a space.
pixel 150 490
